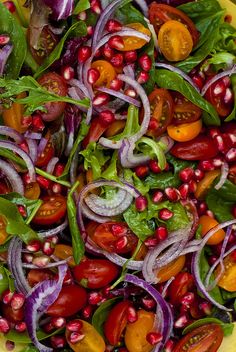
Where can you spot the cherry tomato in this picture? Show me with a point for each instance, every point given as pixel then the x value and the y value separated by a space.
pixel 95 273
pixel 70 300
pixel 54 83
pixel 32 190
pixel 204 185
pixel 205 338
pixel 46 155
pixel 64 251
pixel 207 223
pixel 13 116
pixel 115 128
pixel 47 43
pixel 184 110
pixel 135 334
pixel 160 14
pixel 134 43
pixel 171 269
pixel 96 130
pixel 35 276
pixel 4 187
pixel 182 283
pixel 51 211
pixel 107 73
pixel 232 173
pixel 3 233
pixel 227 281
pixel 199 148
pixel 107 234
pixel 185 132
pixel 12 315
pixel 217 100
pixel 116 322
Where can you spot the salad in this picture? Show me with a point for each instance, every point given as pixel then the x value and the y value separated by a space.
pixel 117 176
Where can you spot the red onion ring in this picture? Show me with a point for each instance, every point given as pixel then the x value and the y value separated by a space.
pixel 143 6
pixel 10 132
pixel 223 176
pixel 55 231
pixel 13 177
pixel 51 165
pixel 33 150
pixel 120 95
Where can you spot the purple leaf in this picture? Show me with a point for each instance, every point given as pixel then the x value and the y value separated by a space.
pixel 61 9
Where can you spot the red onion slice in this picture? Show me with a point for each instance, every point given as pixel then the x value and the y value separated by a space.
pixel 52 232
pixel 223 176
pixel 33 135
pixel 49 265
pixel 33 149
pixel 129 71
pixel 216 78
pixel 42 145
pixel 13 177
pixel 10 132
pixel 120 95
pixel 51 165
pixel 127 157
pixel 143 6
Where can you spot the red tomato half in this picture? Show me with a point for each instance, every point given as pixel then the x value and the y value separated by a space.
pixel 184 110
pixel 182 283
pixel 46 155
pixel 95 132
pixel 51 211
pixel 217 100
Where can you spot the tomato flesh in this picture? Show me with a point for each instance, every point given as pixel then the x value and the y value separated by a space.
pixel 47 43
pixel 217 100
pixel 46 155
pixel 182 283
pixel 51 211
pixel 96 130
pixel 184 110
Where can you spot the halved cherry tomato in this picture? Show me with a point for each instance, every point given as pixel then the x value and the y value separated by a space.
pixel 51 211
pixel 115 128
pixel 184 110
pixel 205 338
pixel 134 43
pixel 46 155
pixel 54 83
pixel 160 14
pixel 227 281
pixel 175 41
pixel 70 300
pixel 171 269
pixel 204 185
pixel 64 251
pixel 107 73
pixel 4 187
pixel 12 117
pixel 116 322
pixel 200 148
pixel 12 315
pixel 35 276
pixel 207 223
pixel 182 283
pixel 217 100
pixel 232 173
pixel 107 234
pixel 185 132
pixel 3 233
pixel 32 190
pixel 95 132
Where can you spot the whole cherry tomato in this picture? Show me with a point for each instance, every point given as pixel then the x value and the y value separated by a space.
pixel 35 276
pixel 51 211
pixel 227 281
pixel 200 148
pixel 95 273
pixel 182 283
pixel 70 300
pixel 13 315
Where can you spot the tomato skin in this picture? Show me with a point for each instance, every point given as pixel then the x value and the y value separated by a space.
pixel 205 338
pixel 116 322
pixel 232 173
pixel 96 272
pixel 46 155
pixel 70 300
pixel 207 223
pixel 182 283
pixel 95 132
pixel 217 101
pixel 32 190
pixel 199 148
pixel 184 110
pixel 227 281
pixel 54 83
pixel 35 276
pixel 12 315
pixel 56 205
pixel 171 269
pixel 204 185
pixel 134 43
pixel 185 132
pixel 13 116
pixel 107 73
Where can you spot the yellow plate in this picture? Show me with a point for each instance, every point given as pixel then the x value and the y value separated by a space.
pixel 230 7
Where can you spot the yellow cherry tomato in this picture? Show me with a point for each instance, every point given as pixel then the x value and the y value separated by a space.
pixel 13 116
pixel 134 43
pixel 207 223
pixel 175 41
pixel 205 183
pixel 227 281
pixel 63 251
pixel 185 132
pixel 107 73
pixel 171 269
pixel 3 233
pixel 32 190
pixel 115 128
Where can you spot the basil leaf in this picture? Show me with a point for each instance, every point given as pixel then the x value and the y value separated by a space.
pixel 171 80
pixel 23 337
pixel 220 207
pixel 82 5
pixel 232 116
pixel 226 327
pixel 10 26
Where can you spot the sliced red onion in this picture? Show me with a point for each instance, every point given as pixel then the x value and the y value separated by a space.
pixel 12 133
pixel 196 261
pixel 154 35
pixel 78 84
pixel 88 213
pixel 49 265
pixel 61 9
pixel 51 165
pixel 86 90
pixel 223 176
pixel 33 149
pixel 143 6
pixel 5 52
pixel 192 211
pixel 28 161
pixel 120 95
pixel 129 71
pixel 12 176
pixel 33 135
pixel 216 78
pixel 127 157
pixel 57 230
pixel 180 72
pixel 41 297
pixel 166 286
pixel 168 141
pixel 42 145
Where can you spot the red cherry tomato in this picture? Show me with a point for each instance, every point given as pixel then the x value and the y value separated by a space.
pixel 95 273
pixel 35 276
pixel 116 322
pixel 4 188
pixel 184 110
pixel 232 173
pixel 199 148
pixel 51 211
pixel 95 132
pixel 205 338
pixel 46 155
pixel 70 300
pixel 54 83
pixel 182 283
pixel 12 315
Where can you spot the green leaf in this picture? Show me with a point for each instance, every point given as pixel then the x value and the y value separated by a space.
pixel 30 348
pixel 226 39
pixel 132 124
pixel 81 30
pixel 228 191
pixel 226 327
pixel 227 295
pixel 94 158
pixel 129 14
pixel 5 280
pixel 10 26
pixel 200 8
pixel 219 206
pixel 110 173
pixel 171 80
pixel 232 116
pixel 23 337
pixel 82 5
pixel 153 149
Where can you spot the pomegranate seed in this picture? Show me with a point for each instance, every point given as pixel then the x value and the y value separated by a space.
pixel 58 341
pixel 130 56
pixel 148 303
pixel 157 197
pixel 219 88
pixel 145 62
pixel 90 30
pixel 116 42
pixel 161 233
pixel 67 72
pixel 87 311
pixel 187 299
pixel 27 258
pixel 75 337
pixel 169 346
pixel 198 174
pixel 143 77
pixel 141 203
pixel 10 345
pixel 95 6
pixel 186 174
pixel 101 99
pixel 22 210
pixel 58 170
pixel 116 84
pixel 231 155
pixel 41 261
pixel 206 307
pixel 154 338
pixel 54 239
pixel 181 322
pixel 229 139
pixel 151 242
pixel 74 325
pixel 58 322
pixel 131 93
pixel 117 60
pixel 153 124
pixel 154 167
pixel 234 211
pixel 118 230
pixel 220 143
pixel 43 182
pixel 34 246
pixel 47 328
pixel 172 194
pixel 132 315
pixel 228 98
pixel 202 208
pixel 210 213
pixel 192 186
pixel 113 26
pixel 184 190
pixel 121 243
pixel 4 325
pixel 214 131
pixel 165 214
pixel 217 162
pixel 206 165
pixel 106 117
pixel 37 123
pixel 20 326
pixel 93 75
pixel 84 53
pixel 212 259
pixel 26 121
pixel 56 188
pixel 48 247
pixel 10 6
pixel 4 39
pixel 17 301
pixel 94 298
pixel 198 80
pixel 142 171
pixel 107 51
pixel 82 16
pixel 7 296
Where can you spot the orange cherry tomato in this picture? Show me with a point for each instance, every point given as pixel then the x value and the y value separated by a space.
pixel 115 128
pixel 227 281
pixel 107 73
pixel 205 183
pixel 207 223
pixel 64 251
pixel 134 43
pixel 205 338
pixel 13 116
pixel 51 211
pixel 175 41
pixel 171 269
pixel 185 132
pixel 141 254
pixel 3 233
pixel 184 110
pixel 32 190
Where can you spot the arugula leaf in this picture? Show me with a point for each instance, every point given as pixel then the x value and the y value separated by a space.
pixel 110 173
pixel 228 295
pixel 220 60
pixel 220 207
pixel 232 116
pixel 94 158
pixel 80 28
pixel 132 124
pixel 226 327
pixel 82 5
pixel 10 26
pixel 154 149
pixel 171 80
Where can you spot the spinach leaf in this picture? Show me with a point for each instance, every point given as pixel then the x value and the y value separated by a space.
pixel 129 14
pixel 219 206
pixel 101 314
pixel 226 327
pixel 228 295
pixel 171 80
pixel 82 5
pixel 232 116
pixel 10 26
pixel 228 191
pixel 200 8
pixel 80 28
pixel 5 280
pixel 23 337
